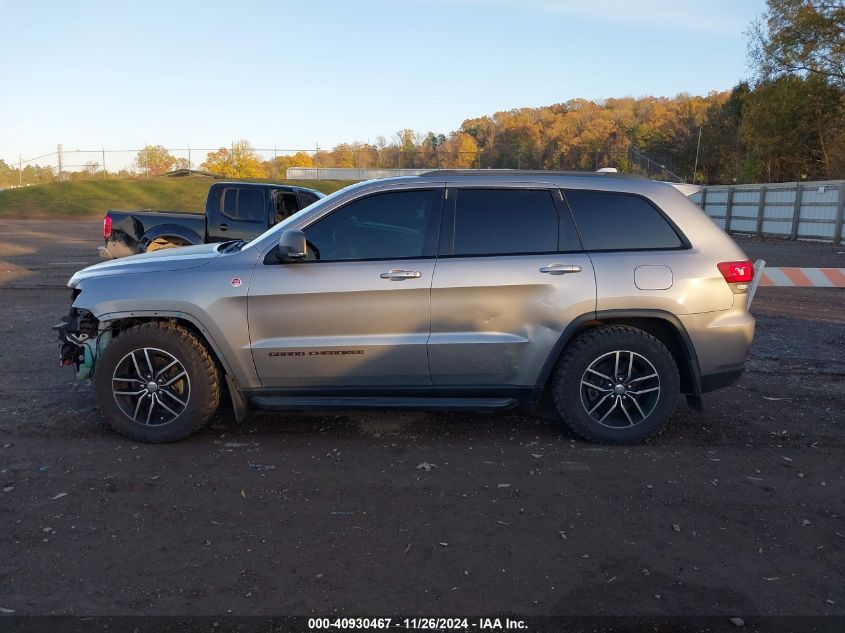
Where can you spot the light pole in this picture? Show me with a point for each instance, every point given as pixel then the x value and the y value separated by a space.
pixel 697 147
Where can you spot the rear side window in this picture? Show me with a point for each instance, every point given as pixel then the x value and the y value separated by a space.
pixel 619 222
pixel 230 203
pixel 504 222
pixel 245 205
pixel 251 205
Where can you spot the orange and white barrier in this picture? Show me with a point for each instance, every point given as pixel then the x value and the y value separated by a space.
pixel 803 277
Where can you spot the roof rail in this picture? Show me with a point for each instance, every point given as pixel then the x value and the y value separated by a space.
pixel 529 172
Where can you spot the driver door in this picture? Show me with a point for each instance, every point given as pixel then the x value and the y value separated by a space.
pixel 356 312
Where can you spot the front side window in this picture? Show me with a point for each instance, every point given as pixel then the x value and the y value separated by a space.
pixel 504 222
pixel 393 225
pixel 286 205
pixel 619 221
pixel 307 198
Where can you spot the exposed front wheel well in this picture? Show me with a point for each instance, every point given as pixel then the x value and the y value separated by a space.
pixel 157 382
pixel 120 325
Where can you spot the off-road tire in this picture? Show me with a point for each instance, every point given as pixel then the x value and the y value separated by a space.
pixel 198 363
pixel 591 345
pixel 162 243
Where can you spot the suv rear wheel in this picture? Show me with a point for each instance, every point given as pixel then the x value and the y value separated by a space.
pixel 616 385
pixel 156 382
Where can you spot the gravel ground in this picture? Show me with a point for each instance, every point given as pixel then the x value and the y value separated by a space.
pixel 738 510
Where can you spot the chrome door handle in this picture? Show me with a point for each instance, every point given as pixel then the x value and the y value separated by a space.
pixel 560 269
pixel 399 275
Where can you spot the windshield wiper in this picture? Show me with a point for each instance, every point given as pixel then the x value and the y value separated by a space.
pixel 233 247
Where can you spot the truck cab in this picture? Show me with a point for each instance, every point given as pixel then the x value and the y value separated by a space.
pixel 241 210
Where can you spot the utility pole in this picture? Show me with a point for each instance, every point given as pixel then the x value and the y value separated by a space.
pixel 189 158
pixel 697 147
pixel 104 161
pixel 20 170
pixel 59 147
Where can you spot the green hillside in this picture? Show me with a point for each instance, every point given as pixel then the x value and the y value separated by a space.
pixel 90 198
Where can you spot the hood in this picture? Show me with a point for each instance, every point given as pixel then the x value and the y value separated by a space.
pixel 157 261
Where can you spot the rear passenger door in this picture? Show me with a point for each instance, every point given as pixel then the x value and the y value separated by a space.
pixel 240 214
pixel 510 277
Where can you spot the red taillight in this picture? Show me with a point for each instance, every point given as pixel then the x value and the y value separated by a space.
pixel 106 227
pixel 737 272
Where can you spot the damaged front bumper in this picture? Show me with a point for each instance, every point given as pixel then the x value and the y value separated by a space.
pixel 81 342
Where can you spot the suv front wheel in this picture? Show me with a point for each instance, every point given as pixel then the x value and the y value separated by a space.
pixel 616 385
pixel 157 382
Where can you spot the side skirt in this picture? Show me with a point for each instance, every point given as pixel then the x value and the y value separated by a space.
pixel 302 403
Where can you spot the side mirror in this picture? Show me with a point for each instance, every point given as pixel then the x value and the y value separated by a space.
pixel 292 246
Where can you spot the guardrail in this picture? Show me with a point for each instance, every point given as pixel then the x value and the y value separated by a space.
pixel 802 210
pixel 803 277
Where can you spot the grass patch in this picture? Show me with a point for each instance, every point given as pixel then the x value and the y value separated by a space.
pixel 91 198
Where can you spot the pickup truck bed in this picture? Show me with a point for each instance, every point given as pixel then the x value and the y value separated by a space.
pixel 129 227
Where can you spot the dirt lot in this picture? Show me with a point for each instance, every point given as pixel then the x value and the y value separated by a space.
pixel 735 511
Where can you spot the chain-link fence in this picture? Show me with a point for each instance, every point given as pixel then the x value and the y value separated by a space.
pixel 272 162
pixel 77 164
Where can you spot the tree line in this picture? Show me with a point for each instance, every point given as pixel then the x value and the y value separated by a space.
pixel 786 123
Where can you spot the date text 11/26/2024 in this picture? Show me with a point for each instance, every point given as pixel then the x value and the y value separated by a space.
pixel 456 624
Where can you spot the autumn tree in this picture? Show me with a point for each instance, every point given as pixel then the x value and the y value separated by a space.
pixel 154 160
pixel 791 123
pixel 724 155
pixel 407 143
pixel 238 161
pixel 432 147
pixel 462 151
pixel 277 167
pixel 301 159
pixel 8 175
pixel 800 37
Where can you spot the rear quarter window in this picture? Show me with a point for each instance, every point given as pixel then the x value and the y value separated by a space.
pixel 609 221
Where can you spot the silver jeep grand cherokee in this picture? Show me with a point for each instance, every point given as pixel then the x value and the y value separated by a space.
pixel 458 290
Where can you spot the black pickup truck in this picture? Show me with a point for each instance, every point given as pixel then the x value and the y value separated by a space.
pixel 233 211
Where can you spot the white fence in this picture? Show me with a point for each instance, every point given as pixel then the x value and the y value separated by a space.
pixel 803 210
pixel 339 173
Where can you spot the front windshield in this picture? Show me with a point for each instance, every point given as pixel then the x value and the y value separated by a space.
pixel 278 228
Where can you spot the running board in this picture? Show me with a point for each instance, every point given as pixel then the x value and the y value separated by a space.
pixel 288 403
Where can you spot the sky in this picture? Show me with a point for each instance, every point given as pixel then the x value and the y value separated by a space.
pixel 295 75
